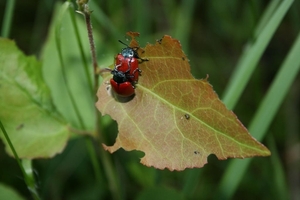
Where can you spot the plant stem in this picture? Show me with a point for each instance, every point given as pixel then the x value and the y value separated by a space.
pixel 7 19
pixel 64 75
pixel 30 182
pixel 80 46
pixel 249 59
pixel 93 50
pixel 108 166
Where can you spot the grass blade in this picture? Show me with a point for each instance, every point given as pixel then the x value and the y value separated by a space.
pixel 270 10
pixel 80 47
pixel 184 22
pixel 251 56
pixel 279 180
pixel 103 19
pixel 8 15
pixel 29 180
pixel 263 117
pixel 64 9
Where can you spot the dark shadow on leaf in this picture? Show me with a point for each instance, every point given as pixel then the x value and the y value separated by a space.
pixel 121 99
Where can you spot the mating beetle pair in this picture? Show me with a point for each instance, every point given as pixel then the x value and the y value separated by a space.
pixel 126 72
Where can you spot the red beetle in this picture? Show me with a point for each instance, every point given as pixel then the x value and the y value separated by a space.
pixel 126 72
pixel 120 84
pixel 128 66
pixel 127 62
pixel 125 89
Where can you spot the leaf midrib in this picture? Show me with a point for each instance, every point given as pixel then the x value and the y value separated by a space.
pixel 184 111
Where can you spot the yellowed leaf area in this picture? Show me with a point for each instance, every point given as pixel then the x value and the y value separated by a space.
pixel 175 119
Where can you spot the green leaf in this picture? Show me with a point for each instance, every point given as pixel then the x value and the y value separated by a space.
pixel 34 126
pixel 74 71
pixel 178 121
pixel 9 193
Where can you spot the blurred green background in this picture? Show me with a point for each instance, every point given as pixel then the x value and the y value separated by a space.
pixel 214 35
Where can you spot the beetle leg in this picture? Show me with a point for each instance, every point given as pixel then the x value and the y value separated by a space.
pixel 117 66
pixel 103 70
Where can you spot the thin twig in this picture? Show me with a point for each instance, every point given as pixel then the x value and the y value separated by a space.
pixel 108 166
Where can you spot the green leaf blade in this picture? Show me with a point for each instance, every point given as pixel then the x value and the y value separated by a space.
pixel 264 116
pixel 34 126
pixel 251 56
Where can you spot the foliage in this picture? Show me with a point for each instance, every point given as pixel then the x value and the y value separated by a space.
pixel 215 37
pixel 178 121
pixel 35 127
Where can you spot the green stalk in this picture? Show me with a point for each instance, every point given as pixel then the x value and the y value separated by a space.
pixel 80 47
pixel 7 19
pixel 263 117
pixel 63 69
pixel 183 22
pixel 93 157
pixel 100 17
pixel 267 15
pixel 88 140
pixel 246 65
pixel 29 180
pixel 140 9
pixel 182 29
pixel 191 180
pixel 107 164
pixel 279 180
pixel 251 56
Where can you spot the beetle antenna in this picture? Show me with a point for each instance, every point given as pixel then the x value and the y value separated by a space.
pixel 123 43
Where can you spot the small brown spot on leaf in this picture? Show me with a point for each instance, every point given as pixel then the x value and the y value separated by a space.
pixel 187 116
pixel 20 127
